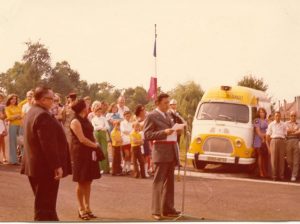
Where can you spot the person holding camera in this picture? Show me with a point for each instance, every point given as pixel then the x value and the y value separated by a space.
pixel 67 117
pixel 86 157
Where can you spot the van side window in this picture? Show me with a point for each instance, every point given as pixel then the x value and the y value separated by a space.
pixel 254 112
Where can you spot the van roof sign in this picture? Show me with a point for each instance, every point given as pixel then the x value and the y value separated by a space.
pixel 237 94
pixel 225 88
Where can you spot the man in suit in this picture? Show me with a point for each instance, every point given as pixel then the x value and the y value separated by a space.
pixel 46 155
pixel 157 128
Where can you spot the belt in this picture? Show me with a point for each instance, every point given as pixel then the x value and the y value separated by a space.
pixel 288 138
pixel 164 142
pixel 278 138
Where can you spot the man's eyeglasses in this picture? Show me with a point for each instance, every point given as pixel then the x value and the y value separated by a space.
pixel 49 98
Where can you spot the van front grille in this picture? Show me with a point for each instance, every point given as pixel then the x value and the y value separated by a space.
pixel 217 144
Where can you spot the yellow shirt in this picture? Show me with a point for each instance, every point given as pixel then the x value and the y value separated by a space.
pixel 116 137
pixel 13 110
pixel 21 104
pixel 135 136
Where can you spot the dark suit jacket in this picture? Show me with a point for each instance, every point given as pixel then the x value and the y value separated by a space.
pixel 45 145
pixel 154 127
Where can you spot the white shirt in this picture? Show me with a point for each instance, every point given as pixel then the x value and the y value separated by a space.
pixel 26 107
pixel 292 126
pixel 125 126
pixel 277 130
pixel 162 113
pixel 122 110
pixel 100 123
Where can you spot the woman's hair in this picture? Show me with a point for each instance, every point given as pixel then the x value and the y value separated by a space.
pixel 111 106
pixel 9 98
pixel 259 110
pixel 138 109
pixel 79 106
pixel 95 104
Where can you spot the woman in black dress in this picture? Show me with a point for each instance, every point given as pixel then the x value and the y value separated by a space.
pixel 85 158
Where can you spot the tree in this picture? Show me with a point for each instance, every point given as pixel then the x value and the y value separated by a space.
pixel 135 96
pixel 38 57
pixel 64 79
pixel 34 70
pixel 188 96
pixel 253 82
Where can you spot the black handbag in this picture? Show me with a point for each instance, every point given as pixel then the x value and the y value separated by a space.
pixel 100 154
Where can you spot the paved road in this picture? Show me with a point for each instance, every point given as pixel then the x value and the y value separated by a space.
pixel 212 195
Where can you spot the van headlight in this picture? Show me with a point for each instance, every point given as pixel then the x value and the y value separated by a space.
pixel 198 140
pixel 238 143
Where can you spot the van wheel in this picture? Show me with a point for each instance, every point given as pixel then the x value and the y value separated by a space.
pixel 199 164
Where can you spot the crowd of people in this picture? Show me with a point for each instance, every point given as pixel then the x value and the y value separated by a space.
pixel 92 131
pixel 115 128
pixel 277 146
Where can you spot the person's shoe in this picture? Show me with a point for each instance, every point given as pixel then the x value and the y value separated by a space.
pixel 293 179
pixel 83 215
pixel 91 215
pixel 157 217
pixel 172 214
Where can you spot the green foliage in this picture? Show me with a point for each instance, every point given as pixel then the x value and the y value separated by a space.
pixel 63 79
pixel 35 69
pixel 188 96
pixel 253 82
pixel 135 96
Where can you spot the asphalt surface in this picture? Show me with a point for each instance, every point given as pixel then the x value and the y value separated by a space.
pixel 212 195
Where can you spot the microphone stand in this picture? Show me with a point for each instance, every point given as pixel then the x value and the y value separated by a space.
pixel 183 215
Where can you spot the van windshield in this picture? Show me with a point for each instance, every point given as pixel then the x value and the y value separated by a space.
pixel 223 112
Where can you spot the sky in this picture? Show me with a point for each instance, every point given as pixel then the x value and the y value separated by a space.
pixel 211 42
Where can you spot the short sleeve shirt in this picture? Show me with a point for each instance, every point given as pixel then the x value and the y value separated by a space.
pixel 277 130
pixel 125 126
pixel 292 126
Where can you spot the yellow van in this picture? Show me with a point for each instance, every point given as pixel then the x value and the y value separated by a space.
pixel 223 129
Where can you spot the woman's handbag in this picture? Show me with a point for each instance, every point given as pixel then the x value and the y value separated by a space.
pixel 100 154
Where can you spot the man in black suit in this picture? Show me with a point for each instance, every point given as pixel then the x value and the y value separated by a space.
pixel 46 156
pixel 157 128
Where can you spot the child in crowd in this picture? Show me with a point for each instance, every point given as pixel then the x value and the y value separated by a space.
pixel 113 115
pixel 136 144
pixel 116 149
pixel 126 128
pixel 101 127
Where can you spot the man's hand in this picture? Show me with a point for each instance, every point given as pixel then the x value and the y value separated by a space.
pixel 58 173
pixel 169 131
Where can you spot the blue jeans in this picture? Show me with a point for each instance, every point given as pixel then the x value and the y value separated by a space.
pixel 14 131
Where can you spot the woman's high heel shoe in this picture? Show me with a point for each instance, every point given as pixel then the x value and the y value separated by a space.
pixel 83 215
pixel 91 215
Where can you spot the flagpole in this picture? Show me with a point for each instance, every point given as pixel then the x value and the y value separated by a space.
pixel 155 60
pixel 152 92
